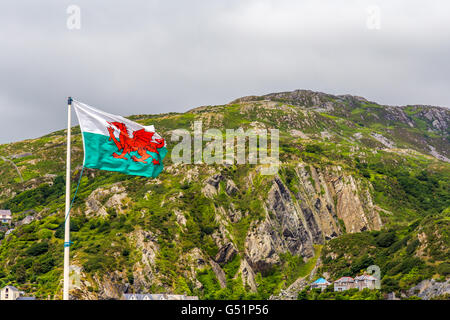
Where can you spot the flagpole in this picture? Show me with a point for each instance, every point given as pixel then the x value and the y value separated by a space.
pixel 67 217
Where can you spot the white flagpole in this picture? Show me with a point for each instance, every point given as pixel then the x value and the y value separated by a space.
pixel 67 217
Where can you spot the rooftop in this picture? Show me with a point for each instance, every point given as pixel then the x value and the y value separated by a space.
pixel 366 277
pixel 11 288
pixel 321 281
pixel 138 296
pixel 5 212
pixel 345 279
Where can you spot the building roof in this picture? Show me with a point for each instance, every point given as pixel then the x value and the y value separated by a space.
pixel 11 288
pixel 26 298
pixel 5 212
pixel 321 281
pixel 366 277
pixel 162 296
pixel 345 279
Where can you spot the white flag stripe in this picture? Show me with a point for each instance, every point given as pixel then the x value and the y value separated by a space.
pixel 96 121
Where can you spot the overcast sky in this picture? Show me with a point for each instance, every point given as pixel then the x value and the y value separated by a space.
pixel 135 57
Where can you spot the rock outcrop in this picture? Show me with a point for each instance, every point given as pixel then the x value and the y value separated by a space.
pixel 428 289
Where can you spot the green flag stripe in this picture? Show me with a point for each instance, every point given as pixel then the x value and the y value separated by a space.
pixel 98 154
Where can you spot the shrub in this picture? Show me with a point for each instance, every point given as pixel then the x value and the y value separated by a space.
pixel 444 268
pixel 44 234
pixel 37 249
pixel 386 239
pixel 313 148
pixel 412 246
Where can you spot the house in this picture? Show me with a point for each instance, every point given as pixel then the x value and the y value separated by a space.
pixel 344 283
pixel 5 216
pixel 320 283
pixel 365 281
pixel 9 293
pixel 12 293
pixel 137 296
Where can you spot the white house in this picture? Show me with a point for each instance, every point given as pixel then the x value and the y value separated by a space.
pixel 344 283
pixel 9 293
pixel 5 216
pixel 365 281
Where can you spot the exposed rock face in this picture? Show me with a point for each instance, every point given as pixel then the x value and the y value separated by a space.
pixel 261 246
pixel 248 275
pixel 293 231
pixel 294 224
pixel 112 197
pixel 439 117
pixel 24 221
pixel 220 274
pixel 291 293
pixel 233 214
pixel 212 185
pixel 428 289
pixel 351 209
pixel 111 286
pixel 231 188
pixel 147 244
pixel 181 219
pixel 282 231
pixel 226 253
pixel 144 272
pixel 386 142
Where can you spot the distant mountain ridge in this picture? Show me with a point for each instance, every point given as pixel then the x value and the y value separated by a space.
pixel 432 119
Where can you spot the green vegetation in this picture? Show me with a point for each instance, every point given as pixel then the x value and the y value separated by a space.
pixel 170 216
pixel 330 294
pixel 402 253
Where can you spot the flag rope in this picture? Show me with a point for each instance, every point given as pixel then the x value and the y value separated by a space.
pixel 71 204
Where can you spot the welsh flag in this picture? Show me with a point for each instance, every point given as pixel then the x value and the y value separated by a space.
pixel 114 143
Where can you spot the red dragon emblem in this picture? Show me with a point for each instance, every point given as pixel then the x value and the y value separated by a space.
pixel 142 141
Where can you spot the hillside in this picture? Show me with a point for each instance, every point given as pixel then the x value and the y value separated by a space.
pixel 359 183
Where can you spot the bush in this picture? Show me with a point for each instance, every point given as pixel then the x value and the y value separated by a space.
pixel 412 246
pixel 44 234
pixel 313 148
pixel 386 239
pixel 60 232
pixel 37 249
pixel 361 263
pixel 389 285
pixel 444 268
pixel 97 263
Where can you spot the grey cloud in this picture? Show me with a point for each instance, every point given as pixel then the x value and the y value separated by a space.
pixel 135 57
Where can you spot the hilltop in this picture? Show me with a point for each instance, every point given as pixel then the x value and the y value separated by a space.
pixel 359 184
